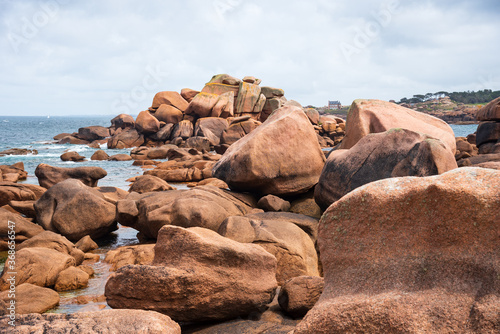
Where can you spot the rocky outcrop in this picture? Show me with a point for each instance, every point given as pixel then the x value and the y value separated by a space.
pixel 281 234
pixel 30 298
pixel 394 153
pixel 49 175
pixel 112 194
pixel 127 138
pixel 490 112
pixel 74 210
pixel 13 173
pixel 106 321
pixel 188 94
pixel 36 265
pixel 48 239
pixel 25 208
pixel 148 183
pixel 306 205
pixel 313 115
pixel 184 129
pixel 165 133
pixel 239 128
pixel 91 133
pixel 122 121
pixel 120 157
pixel 211 128
pixel 86 244
pixel 212 182
pixel 488 131
pixel 250 101
pixel 73 140
pixel 72 156
pixel 273 203
pixel 23 228
pixel 170 98
pixel 203 206
pixel 406 254
pixel 10 191
pixel 197 275
pixel 146 123
pixel 99 155
pixel 173 118
pixel 330 129
pixel 280 157
pixel 224 107
pixel 222 83
pixel 18 151
pixel 482 160
pixel 201 144
pixel 71 278
pixel 272 103
pixel 122 256
pixel 184 165
pixel 168 114
pixel 373 116
pixel 202 105
pixel 299 294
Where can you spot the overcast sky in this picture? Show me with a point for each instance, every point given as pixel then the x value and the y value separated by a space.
pixel 61 57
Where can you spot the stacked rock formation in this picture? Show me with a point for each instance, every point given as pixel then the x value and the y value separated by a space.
pixel 176 117
pixel 225 110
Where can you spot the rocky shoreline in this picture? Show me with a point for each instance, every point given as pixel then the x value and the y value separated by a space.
pixel 293 221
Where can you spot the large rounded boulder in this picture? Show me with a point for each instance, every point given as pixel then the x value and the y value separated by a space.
pixel 394 153
pixel 127 138
pixel 406 254
pixel 281 234
pixel 197 275
pixel 204 206
pixel 49 175
pixel 373 116
pixel 147 123
pixel 74 210
pixel 280 157
pixel 29 298
pixel 36 265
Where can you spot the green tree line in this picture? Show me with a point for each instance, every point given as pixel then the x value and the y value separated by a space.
pixel 468 97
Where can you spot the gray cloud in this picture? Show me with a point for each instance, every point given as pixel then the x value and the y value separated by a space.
pixel 99 57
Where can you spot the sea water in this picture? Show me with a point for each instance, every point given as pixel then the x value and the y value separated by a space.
pixel 36 133
pixel 463 130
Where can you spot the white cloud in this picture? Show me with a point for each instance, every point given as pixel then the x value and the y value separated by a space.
pixel 87 55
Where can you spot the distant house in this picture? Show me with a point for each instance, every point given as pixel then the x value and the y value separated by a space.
pixel 334 105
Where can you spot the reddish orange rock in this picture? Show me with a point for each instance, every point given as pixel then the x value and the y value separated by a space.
pixel 171 98
pixel 168 114
pixel 412 255
pixel 146 123
pixel 372 116
pixel 105 321
pixel 280 157
pixel 490 112
pixel 188 94
pixel 397 152
pixel 202 104
pixel 197 275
